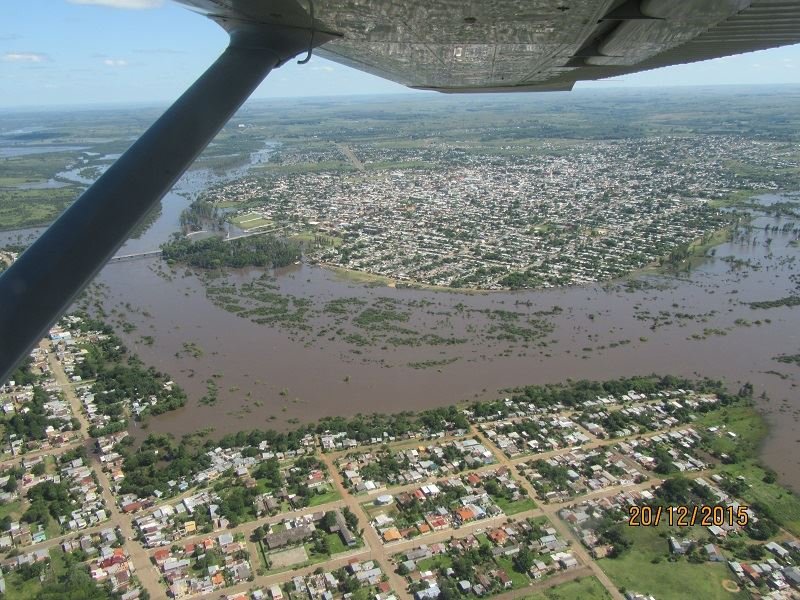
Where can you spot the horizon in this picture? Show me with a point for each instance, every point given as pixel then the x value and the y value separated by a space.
pixel 410 94
pixel 69 53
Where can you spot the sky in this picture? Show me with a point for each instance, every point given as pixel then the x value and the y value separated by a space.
pixel 83 52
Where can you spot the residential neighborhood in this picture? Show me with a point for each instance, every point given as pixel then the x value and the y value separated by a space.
pixel 466 219
pixel 523 493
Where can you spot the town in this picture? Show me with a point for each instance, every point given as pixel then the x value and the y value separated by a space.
pixel 495 499
pixel 521 218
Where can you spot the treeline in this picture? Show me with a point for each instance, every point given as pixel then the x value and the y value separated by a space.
pixel 48 499
pixel 31 424
pixel 214 253
pixel 120 383
pixel 788 301
pixel 576 393
pixel 362 428
pixel 23 375
pixel 200 215
pixel 158 461
pixel 121 377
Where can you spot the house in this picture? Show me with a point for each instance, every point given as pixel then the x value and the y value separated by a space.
pixel 504 579
pixel 430 593
pixel 713 552
pixel 679 547
pixel 750 572
pixel 348 539
pixel 288 536
pixel 717 531
pixel 391 535
pixel 465 514
pixel 498 536
pixel 777 550
pixel 792 575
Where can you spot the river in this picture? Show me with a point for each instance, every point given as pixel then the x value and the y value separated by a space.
pixel 270 377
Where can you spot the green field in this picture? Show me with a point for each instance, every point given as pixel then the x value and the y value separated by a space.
pixel 750 428
pixel 512 508
pixel 336 544
pixel 784 504
pixel 442 562
pixel 666 580
pixel 12 510
pixel 250 221
pixel 28 208
pixel 519 580
pixel 744 421
pixel 329 495
pixel 585 588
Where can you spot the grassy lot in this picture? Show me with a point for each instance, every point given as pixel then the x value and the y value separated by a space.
pixel 330 495
pixel 57 565
pixel 255 223
pixel 337 166
pixel 309 236
pixel 784 504
pixel 744 421
pixel 750 428
pixel 373 510
pixel 19 589
pixel 512 508
pixel 12 509
pixel 442 562
pixel 585 588
pixel 15 181
pixel 519 580
pixel 250 221
pixel 736 198
pixel 53 529
pixel 336 544
pixel 636 571
pixel 360 277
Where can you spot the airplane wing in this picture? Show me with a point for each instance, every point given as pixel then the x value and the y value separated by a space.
pixel 521 45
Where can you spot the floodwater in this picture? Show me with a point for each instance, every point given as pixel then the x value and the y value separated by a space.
pixel 25 150
pixel 271 377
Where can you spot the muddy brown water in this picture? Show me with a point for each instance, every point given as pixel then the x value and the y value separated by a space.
pixel 268 376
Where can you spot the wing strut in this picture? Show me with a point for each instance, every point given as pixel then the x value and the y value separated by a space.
pixel 37 289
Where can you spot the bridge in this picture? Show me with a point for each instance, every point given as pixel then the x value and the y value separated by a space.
pixel 154 253
pixel 136 256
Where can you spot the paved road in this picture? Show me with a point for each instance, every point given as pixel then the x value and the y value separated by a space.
pixel 350 155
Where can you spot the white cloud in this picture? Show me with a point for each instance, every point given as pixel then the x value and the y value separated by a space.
pixel 324 68
pixel 31 57
pixel 115 62
pixel 125 4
